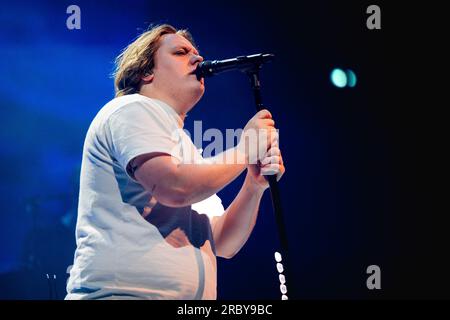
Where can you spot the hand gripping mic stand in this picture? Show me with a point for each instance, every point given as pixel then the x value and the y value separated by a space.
pixel 251 65
pixel 253 74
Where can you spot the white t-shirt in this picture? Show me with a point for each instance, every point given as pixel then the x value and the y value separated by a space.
pixel 128 244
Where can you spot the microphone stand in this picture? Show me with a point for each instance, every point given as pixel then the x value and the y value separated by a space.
pixel 253 74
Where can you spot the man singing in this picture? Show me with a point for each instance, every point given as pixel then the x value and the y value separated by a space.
pixel 150 224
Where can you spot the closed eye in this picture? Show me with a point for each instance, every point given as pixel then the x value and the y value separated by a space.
pixel 183 51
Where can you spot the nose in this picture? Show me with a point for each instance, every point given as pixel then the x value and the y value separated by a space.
pixel 197 59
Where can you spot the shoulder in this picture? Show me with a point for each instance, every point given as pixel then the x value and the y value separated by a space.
pixel 133 108
pixel 132 115
pixel 133 103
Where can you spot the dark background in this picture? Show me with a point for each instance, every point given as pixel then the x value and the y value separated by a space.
pixel 354 189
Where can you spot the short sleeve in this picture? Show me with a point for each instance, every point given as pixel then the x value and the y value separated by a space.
pixel 138 129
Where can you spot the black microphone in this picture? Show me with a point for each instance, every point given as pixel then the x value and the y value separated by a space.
pixel 242 63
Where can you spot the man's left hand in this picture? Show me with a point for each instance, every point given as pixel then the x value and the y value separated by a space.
pixel 271 163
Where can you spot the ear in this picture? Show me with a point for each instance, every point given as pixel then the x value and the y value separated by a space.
pixel 148 77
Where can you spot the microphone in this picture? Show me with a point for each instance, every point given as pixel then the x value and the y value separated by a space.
pixel 242 63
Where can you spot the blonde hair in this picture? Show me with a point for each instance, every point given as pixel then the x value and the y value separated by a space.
pixel 137 59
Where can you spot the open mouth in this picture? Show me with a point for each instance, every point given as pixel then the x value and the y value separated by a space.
pixel 201 79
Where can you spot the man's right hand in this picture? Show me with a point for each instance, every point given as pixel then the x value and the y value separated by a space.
pixel 257 137
pixel 176 184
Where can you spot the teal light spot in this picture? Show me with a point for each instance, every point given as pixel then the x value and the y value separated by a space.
pixel 351 78
pixel 338 78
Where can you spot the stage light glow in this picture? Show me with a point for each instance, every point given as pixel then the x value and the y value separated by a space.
pixel 277 256
pixel 351 78
pixel 280 267
pixel 338 78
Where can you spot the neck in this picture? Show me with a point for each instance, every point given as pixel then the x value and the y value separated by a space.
pixel 171 102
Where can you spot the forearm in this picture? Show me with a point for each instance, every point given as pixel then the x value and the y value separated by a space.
pixel 234 227
pixel 200 181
